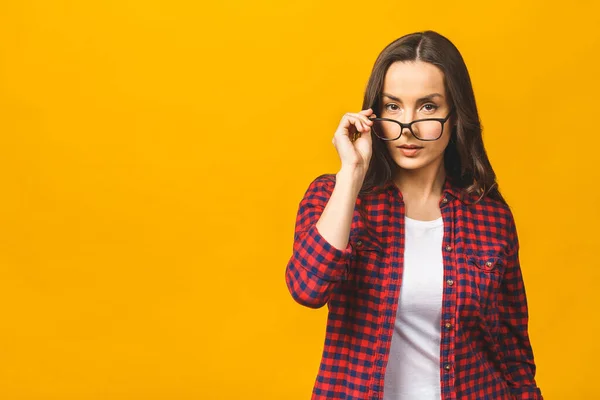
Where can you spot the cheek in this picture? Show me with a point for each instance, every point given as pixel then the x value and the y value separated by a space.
pixel 392 149
pixel 440 145
pixel 435 150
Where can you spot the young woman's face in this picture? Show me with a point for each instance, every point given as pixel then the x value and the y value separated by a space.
pixel 411 91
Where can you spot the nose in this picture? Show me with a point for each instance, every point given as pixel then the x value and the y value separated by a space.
pixel 407 118
pixel 404 130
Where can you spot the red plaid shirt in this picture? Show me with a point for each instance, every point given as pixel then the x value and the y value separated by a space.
pixel 485 351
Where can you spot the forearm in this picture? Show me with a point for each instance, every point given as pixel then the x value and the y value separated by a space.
pixel 336 219
pixel 321 250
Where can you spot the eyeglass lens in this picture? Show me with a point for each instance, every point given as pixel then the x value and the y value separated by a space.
pixel 426 130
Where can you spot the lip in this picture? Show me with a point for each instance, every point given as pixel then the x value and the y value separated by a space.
pixel 409 151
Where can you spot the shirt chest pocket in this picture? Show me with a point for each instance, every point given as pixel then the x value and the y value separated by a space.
pixel 366 265
pixel 485 276
pixel 486 264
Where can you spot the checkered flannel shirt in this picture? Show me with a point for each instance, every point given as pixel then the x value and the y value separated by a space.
pixel 485 352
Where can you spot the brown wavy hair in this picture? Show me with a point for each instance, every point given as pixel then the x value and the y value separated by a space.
pixel 465 158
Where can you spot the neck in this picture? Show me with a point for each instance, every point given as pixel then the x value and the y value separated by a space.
pixel 421 184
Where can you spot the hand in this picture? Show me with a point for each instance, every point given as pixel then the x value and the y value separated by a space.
pixel 353 141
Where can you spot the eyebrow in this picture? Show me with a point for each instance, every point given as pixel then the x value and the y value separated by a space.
pixel 428 97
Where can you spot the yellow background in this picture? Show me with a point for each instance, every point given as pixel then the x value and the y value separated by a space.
pixel 153 154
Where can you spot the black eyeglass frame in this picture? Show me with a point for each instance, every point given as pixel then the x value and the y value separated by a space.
pixel 409 126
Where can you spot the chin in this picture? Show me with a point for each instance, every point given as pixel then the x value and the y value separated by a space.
pixel 411 163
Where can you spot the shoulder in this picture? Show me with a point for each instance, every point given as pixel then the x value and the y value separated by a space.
pixel 322 182
pixel 497 210
pixel 499 216
pixel 320 188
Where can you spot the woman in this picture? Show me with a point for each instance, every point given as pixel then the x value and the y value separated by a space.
pixel 412 246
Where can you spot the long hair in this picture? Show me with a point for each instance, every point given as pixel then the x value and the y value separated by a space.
pixel 465 158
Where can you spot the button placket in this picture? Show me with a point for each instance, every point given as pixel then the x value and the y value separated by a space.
pixel 450 294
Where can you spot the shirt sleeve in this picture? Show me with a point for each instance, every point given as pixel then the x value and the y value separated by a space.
pixel 315 266
pixel 514 338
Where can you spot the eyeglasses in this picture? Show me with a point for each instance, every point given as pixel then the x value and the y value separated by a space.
pixel 428 129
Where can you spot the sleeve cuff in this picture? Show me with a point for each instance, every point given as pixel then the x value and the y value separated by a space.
pixel 527 393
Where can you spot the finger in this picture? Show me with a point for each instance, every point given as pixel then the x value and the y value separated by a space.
pixel 363 126
pixel 362 123
pixel 353 122
pixel 366 124
pixel 364 116
pixel 347 121
pixel 356 123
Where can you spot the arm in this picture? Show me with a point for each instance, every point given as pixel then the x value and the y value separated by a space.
pixel 514 338
pixel 321 250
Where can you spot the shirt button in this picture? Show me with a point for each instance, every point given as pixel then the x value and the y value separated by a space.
pixel 448 325
pixel 444 200
pixel 359 243
pixel 448 248
pixel 488 264
pixel 447 367
pixel 450 282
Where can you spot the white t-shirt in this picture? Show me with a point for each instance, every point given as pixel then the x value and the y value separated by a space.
pixel 413 369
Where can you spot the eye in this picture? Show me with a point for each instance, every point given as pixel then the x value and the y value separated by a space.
pixel 392 107
pixel 430 107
